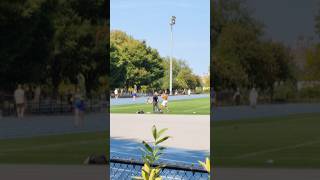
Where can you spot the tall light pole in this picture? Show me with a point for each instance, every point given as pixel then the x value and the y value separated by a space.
pixel 172 22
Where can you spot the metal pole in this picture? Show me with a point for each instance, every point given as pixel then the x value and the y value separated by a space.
pixel 171 60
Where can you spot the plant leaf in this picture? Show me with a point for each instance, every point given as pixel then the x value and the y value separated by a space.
pixel 154 132
pixel 161 132
pixel 162 140
pixel 147 146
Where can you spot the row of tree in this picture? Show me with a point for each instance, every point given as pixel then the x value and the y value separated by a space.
pixel 242 57
pixel 133 62
pixel 49 42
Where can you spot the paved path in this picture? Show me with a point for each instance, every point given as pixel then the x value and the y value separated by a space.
pixel 52 172
pixel 245 112
pixel 123 101
pixel 190 142
pixel 12 127
pixel 266 174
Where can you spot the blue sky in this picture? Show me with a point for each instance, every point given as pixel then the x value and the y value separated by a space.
pixel 149 20
pixel 286 20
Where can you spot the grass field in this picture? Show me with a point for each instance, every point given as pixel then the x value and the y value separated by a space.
pixel 292 141
pixel 55 149
pixel 199 106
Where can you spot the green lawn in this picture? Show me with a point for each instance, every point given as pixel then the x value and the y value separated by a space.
pixel 292 141
pixel 54 149
pixel 190 106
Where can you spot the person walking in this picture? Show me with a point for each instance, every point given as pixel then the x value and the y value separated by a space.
pixel 116 93
pixel 164 104
pixel 237 97
pixel 20 100
pixel 155 101
pixel 134 94
pixel 253 96
pixel 78 109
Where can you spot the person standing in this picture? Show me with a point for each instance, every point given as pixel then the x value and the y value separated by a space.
pixel 78 109
pixel 189 92
pixel 237 97
pixel 155 102
pixel 20 101
pixel 164 103
pixel 176 92
pixel 70 100
pixel 116 93
pixel 253 96
pixel 134 93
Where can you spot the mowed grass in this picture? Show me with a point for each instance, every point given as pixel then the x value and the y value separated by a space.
pixel 292 141
pixel 53 149
pixel 189 106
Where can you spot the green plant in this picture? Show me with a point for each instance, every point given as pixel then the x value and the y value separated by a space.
pixel 149 173
pixel 206 165
pixel 151 153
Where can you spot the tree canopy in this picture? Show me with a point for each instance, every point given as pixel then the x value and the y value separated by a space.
pixel 52 41
pixel 132 62
pixel 241 56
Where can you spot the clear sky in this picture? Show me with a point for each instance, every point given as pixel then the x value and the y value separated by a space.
pixel 149 20
pixel 285 20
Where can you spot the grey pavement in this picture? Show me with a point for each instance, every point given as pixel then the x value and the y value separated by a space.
pixel 265 174
pixel 267 110
pixel 40 125
pixel 53 172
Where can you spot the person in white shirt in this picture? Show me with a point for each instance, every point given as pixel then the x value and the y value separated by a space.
pixel 189 92
pixel 253 96
pixel 116 93
pixel 20 99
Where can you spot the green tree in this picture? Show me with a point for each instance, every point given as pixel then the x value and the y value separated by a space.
pixel 312 64
pixel 143 64
pixel 26 32
pixel 182 75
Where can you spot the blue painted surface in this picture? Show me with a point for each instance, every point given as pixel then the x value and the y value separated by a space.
pixel 140 100
pixel 129 149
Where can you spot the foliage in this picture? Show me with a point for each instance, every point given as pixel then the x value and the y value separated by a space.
pixel 285 91
pixel 48 42
pixel 312 92
pixel 133 62
pixel 149 173
pixel 242 57
pixel 183 77
pixel 25 41
pixel 151 154
pixel 312 64
pixel 206 165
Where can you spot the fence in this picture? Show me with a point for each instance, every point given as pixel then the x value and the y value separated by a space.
pixel 53 107
pixel 121 169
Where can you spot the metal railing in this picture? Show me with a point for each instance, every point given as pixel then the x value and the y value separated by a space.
pixel 122 169
pixel 53 107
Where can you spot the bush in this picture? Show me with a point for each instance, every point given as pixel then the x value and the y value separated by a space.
pixel 310 92
pixel 285 92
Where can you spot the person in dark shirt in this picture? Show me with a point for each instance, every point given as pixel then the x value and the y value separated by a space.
pixel 155 101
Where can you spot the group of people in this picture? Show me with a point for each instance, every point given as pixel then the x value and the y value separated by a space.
pixel 253 97
pixel 76 100
pixel 155 102
pixel 237 97
pixel 117 94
